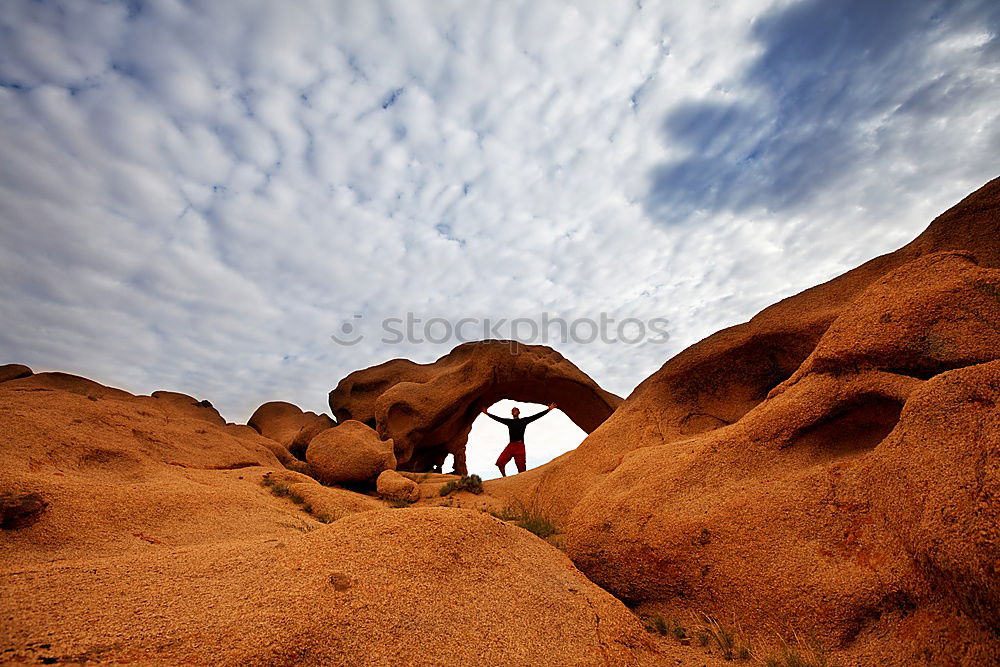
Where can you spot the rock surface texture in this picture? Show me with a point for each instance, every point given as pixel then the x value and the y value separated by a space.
pixel 350 453
pixel 288 425
pixel 834 460
pixel 428 409
pixel 393 486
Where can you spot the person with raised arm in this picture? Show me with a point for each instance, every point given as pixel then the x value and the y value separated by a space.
pixel 516 425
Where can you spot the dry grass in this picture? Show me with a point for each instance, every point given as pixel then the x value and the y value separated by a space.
pixel 530 518
pixel 798 653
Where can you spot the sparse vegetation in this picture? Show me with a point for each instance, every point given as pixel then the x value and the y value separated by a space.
pixel 471 483
pixel 658 625
pixel 399 503
pixel 279 489
pixel 677 629
pixel 282 490
pixel 531 519
pixel 730 643
pixel 799 654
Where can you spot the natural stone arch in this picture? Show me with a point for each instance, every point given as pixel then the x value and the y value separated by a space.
pixel 428 409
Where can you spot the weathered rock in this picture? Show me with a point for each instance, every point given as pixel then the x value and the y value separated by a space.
pixel 288 425
pixel 795 460
pixel 430 586
pixel 329 504
pixel 716 381
pixel 936 486
pixel 69 383
pixel 112 466
pixel 938 312
pixel 390 485
pixel 183 405
pixel 349 453
pixel 14 372
pixel 428 409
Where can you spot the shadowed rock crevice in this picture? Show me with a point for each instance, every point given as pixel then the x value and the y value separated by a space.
pixel 724 387
pixel 851 429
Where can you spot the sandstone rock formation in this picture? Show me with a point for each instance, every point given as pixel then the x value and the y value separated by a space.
pixel 349 453
pixel 393 486
pixel 428 409
pixel 829 460
pixel 414 586
pixel 182 404
pixel 287 424
pixel 14 372
pixel 100 472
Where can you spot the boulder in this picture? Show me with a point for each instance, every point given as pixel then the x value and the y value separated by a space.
pixel 390 485
pixel 288 425
pixel 349 453
pixel 427 410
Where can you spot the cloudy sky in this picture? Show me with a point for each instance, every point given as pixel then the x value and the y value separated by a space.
pixel 197 194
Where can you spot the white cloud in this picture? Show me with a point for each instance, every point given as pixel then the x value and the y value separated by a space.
pixel 195 195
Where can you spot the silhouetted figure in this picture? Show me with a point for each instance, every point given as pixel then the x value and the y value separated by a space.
pixel 516 426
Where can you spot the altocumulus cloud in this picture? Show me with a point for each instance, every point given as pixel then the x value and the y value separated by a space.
pixel 197 194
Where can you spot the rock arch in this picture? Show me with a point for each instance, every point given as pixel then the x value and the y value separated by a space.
pixel 428 409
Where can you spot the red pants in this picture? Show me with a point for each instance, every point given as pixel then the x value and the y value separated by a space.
pixel 514 450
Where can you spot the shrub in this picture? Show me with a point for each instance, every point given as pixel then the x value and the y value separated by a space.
pixel 471 483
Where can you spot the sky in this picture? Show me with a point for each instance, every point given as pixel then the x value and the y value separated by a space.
pixel 205 196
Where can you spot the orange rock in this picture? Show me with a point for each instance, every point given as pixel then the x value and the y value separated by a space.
pixel 424 586
pixel 390 485
pixel 821 461
pixel 288 425
pixel 184 405
pixel 349 453
pixel 14 372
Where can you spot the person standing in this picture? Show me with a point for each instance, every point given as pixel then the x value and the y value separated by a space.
pixel 515 427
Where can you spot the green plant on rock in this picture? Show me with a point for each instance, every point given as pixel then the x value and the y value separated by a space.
pixel 470 483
